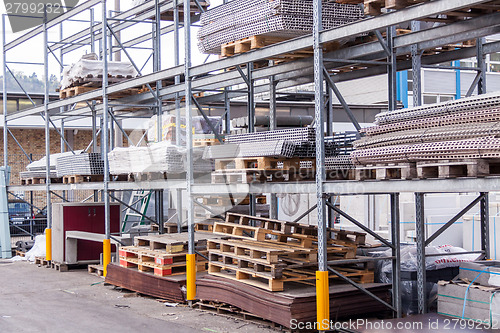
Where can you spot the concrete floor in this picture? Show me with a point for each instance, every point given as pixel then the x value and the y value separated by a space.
pixel 39 299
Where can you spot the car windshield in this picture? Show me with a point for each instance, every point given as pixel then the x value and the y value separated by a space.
pixel 18 208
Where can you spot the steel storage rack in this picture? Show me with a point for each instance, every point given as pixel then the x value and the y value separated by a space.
pixel 386 55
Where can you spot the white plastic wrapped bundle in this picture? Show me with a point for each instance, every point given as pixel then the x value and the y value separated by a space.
pixel 158 157
pixel 89 65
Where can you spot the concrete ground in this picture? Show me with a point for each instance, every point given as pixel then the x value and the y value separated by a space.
pixel 39 299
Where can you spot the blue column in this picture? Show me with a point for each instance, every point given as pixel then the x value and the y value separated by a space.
pixel 402 83
pixel 458 90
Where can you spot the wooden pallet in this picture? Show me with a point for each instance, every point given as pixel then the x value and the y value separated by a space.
pixel 97 270
pixel 77 90
pixel 160 270
pixel 260 234
pixel 454 169
pixel 386 171
pixel 172 243
pixel 282 227
pixel 20 253
pixel 75 179
pixel 341 174
pixel 168 228
pixel 233 312
pixel 261 163
pixel 258 41
pixel 247 265
pixel 265 252
pixel 38 180
pixel 248 176
pixel 227 201
pixel 303 275
pixel 374 7
pixel 258 279
pixel 58 266
pixel 204 226
pixel 205 142
pixel 41 261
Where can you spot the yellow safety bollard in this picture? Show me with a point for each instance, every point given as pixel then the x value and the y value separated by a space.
pixel 48 244
pixel 106 255
pixel 191 277
pixel 322 301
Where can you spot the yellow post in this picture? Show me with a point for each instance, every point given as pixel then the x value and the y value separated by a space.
pixel 191 277
pixel 322 301
pixel 48 244
pixel 106 255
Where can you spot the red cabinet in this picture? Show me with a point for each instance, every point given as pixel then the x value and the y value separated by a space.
pixel 87 217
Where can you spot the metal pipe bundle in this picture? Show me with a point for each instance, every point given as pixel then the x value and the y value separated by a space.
pixel 80 164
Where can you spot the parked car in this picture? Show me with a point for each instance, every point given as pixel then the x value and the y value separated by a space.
pixel 23 221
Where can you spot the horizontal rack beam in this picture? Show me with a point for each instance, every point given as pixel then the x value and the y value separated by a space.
pixel 458 185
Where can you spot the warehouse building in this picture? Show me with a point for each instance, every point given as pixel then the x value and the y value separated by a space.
pixel 290 165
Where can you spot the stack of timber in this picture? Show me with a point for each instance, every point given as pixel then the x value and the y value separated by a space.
pixel 266 253
pixel 297 303
pixel 458 138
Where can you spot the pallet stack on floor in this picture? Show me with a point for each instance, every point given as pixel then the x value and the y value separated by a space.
pixel 163 255
pixel 268 253
pixel 445 140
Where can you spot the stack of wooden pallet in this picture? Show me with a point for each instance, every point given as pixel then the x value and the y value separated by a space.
pixel 262 169
pixel 267 253
pixel 163 255
pixel 221 204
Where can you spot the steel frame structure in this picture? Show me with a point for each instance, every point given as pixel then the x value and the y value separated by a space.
pixel 378 57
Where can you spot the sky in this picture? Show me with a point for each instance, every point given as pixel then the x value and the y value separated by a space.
pixel 32 51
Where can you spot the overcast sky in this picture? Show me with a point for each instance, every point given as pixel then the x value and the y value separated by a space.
pixel 32 51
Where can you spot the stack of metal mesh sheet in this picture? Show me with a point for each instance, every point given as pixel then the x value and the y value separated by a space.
pixel 295 135
pixel 338 162
pixel 308 149
pixel 80 164
pixel 278 148
pixel 294 142
pixel 344 141
pixel 277 18
pixel 463 129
